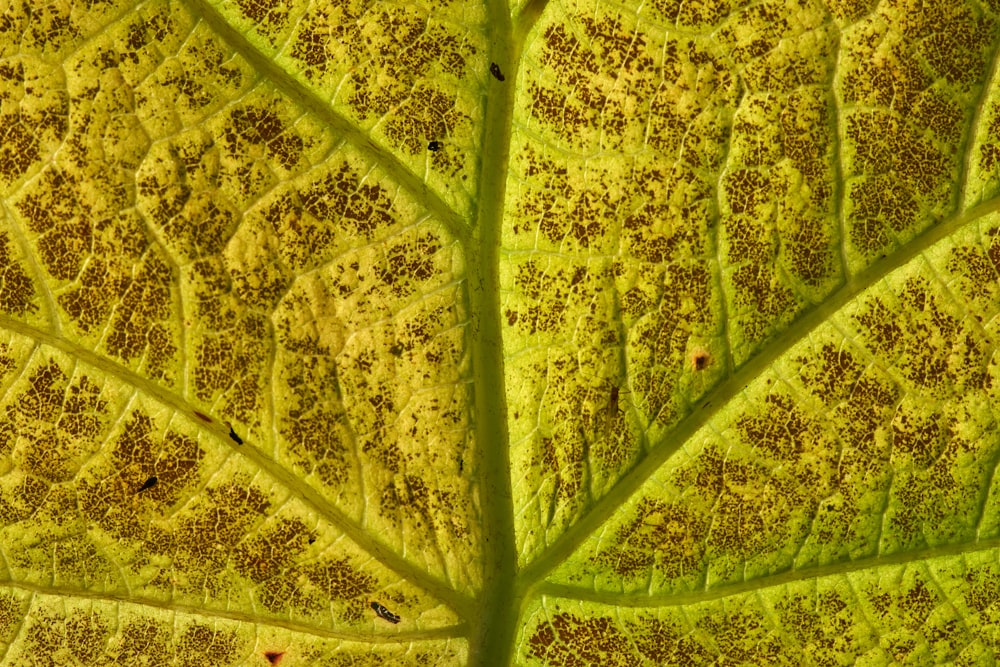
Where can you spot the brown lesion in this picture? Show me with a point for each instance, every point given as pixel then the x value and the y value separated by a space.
pixel 763 299
pixel 271 550
pixel 919 439
pixel 569 639
pixel 742 635
pixel 52 421
pixel 907 145
pixel 319 439
pixel 138 452
pixel 667 537
pixel 781 431
pixel 79 635
pixel 261 125
pixel 363 208
pixel 207 645
pixel 698 15
pixel 398 65
pixel 881 327
pixel 17 290
pixel 226 367
pixel 831 372
pixel 270 17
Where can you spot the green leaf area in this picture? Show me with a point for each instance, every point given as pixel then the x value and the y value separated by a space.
pixel 582 332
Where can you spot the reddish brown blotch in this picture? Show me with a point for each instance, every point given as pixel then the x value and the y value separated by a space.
pixel 700 359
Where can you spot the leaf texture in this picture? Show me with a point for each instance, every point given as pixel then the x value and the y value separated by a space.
pixel 472 333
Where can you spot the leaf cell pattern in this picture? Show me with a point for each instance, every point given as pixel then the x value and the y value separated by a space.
pixel 371 332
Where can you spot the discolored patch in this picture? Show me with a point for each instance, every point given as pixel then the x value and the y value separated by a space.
pixel 588 53
pixel 35 116
pixel 636 637
pixel 270 19
pixel 571 640
pixel 667 537
pixel 694 15
pixel 55 419
pixel 402 73
pixel 201 644
pixel 78 635
pixel 262 126
pixel 781 431
pixel 902 136
pixel 12 612
pixel 232 369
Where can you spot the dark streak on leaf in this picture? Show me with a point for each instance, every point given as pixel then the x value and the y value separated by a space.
pixel 495 71
pixel 237 439
pixel 148 484
pixel 385 613
pixel 202 416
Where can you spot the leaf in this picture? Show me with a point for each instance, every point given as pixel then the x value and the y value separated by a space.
pixel 459 333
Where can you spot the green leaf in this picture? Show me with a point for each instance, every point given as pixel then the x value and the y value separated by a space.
pixel 457 333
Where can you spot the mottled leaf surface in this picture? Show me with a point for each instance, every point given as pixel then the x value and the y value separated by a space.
pixel 563 333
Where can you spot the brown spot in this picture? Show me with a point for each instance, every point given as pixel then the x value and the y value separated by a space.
pixel 17 291
pixel 273 657
pixel 202 416
pixel 700 359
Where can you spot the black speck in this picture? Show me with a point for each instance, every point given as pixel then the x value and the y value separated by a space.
pixel 434 146
pixel 495 71
pixel 237 439
pixel 149 483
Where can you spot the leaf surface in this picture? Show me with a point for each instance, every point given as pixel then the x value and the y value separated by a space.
pixel 460 333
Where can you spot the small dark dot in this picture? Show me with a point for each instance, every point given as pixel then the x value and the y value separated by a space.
pixel 149 483
pixel 434 146
pixel 495 71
